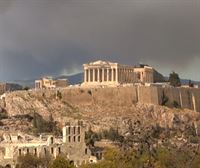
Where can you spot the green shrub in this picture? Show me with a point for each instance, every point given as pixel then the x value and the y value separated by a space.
pixel 41 126
pixel 175 104
pixel 164 99
pixel 112 134
pixel 59 94
pixel 91 137
pixel 194 139
pixel 61 162
pixel 3 114
pixel 31 161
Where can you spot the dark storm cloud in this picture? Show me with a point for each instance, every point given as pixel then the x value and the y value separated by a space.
pixel 39 37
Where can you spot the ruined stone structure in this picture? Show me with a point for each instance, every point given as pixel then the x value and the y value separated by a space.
pixel 72 145
pixel 16 145
pixel 108 73
pixel 144 74
pixel 49 83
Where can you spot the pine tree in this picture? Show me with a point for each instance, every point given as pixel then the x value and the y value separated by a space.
pixel 174 79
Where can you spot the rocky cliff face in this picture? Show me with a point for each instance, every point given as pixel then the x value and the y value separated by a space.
pixel 100 108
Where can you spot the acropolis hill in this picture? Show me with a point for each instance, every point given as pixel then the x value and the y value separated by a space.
pixel 102 104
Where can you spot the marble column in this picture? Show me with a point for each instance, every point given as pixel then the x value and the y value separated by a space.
pixel 122 75
pixel 107 76
pixel 125 75
pixel 98 75
pixel 85 75
pixel 128 76
pixel 128 73
pixel 89 77
pixel 112 74
pixel 116 75
pixel 93 73
pixel 103 76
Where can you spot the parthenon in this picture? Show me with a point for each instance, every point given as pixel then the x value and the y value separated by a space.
pixel 104 72
pixel 109 73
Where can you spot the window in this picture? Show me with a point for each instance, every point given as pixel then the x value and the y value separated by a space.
pixel 69 139
pixel 52 150
pixel 45 151
pixel 74 130
pixel 74 139
pixel 27 151
pixel 79 130
pixel 35 151
pixel 59 150
pixel 71 162
pixel 51 140
pixel 20 152
pixel 86 151
pixel 138 76
pixel 79 139
pixel 8 166
pixel 100 157
pixel 69 130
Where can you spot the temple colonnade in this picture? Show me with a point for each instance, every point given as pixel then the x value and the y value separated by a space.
pixel 106 72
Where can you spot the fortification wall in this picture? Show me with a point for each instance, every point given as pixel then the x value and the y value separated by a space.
pixel 186 98
pixel 77 96
pixel 111 96
pixel 196 99
pixel 173 96
pixel 126 96
pixel 114 96
pixel 180 97
pixel 148 95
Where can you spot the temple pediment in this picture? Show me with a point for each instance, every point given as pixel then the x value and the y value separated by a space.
pixel 100 62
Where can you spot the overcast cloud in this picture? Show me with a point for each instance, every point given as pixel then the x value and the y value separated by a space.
pixel 52 37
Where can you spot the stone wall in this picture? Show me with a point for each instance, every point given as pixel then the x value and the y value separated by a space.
pixel 182 97
pixel 148 95
pixel 114 96
pixel 111 96
pixel 196 99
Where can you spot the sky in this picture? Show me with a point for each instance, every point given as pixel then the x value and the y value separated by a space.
pixel 55 37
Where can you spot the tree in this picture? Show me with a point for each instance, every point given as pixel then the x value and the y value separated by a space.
pixel 29 161
pixel 91 137
pixel 174 79
pixel 61 162
pixel 26 88
pixel 196 162
pixel 40 125
pixel 190 83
